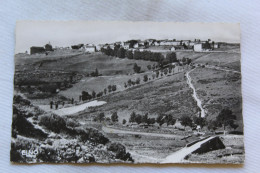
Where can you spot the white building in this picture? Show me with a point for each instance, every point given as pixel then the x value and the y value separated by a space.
pixel 89 48
pixel 197 47
pixel 173 49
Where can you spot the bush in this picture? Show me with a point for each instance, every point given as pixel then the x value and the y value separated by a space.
pixel 22 126
pixel 19 100
pixel 120 151
pixel 53 122
pixel 72 123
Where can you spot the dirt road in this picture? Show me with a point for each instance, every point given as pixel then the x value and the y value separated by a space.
pixel 202 111
pixel 119 131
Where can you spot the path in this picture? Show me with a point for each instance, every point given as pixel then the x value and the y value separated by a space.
pixel 178 156
pixel 202 111
pixel 118 131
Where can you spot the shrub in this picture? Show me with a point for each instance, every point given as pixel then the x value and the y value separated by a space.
pixel 22 126
pixel 72 123
pixel 120 151
pixel 53 122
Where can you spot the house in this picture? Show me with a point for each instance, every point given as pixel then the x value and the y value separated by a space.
pixel 77 46
pixel 90 48
pixel 172 49
pixel 126 45
pixel 48 47
pixel 197 47
pixel 157 43
pixel 215 45
pixel 34 50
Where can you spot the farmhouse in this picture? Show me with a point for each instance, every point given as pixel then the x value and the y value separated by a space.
pixel 172 49
pixel 35 49
pixel 89 48
pixel 126 45
pixel 77 46
pixel 48 47
pixel 197 47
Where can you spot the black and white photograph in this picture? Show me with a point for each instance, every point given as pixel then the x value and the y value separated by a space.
pixel 127 92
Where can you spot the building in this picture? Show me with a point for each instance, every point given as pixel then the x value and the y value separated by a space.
pixel 34 50
pixel 126 45
pixel 48 47
pixel 197 47
pixel 173 49
pixel 90 48
pixel 77 46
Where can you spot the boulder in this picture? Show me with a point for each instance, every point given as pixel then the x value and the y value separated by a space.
pixel 212 144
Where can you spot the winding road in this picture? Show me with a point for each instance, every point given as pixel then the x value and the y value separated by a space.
pixel 199 104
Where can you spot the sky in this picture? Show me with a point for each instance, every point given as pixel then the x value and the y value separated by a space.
pixel 67 33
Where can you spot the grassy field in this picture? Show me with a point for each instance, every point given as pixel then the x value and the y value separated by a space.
pixel 223 59
pixel 170 95
pixel 84 63
pixel 98 84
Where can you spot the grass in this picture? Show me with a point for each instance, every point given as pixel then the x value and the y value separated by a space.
pixel 224 59
pixel 170 95
pixel 98 84
pixel 81 63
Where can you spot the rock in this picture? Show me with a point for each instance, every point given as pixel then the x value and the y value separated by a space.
pixel 213 144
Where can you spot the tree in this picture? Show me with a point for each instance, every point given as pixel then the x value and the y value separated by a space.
pixel 157 74
pixel 145 118
pixel 145 78
pixel 165 71
pixel 151 121
pixel 114 117
pixel 160 119
pixel 109 88
pixel 132 117
pixel 212 125
pixel 86 96
pixel 124 121
pixel 113 87
pixel 93 94
pixel 171 57
pixel 199 121
pixel 129 54
pixel 186 121
pixel 100 94
pixel 226 118
pixel 121 53
pixel 125 85
pixel 129 82
pixel 137 81
pixel 101 116
pixel 170 120
pixel 153 75
pixel 96 72
pixel 105 91
pixel 136 68
pixel 138 118
pixel 149 67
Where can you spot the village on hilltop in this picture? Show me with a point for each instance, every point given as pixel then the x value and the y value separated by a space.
pixel 151 45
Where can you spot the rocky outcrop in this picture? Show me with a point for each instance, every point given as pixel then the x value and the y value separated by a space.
pixel 212 144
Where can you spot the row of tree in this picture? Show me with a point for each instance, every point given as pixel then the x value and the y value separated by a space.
pixel 87 96
pixel 224 119
pixel 138 55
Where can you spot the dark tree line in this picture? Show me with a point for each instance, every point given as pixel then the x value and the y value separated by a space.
pixel 138 55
